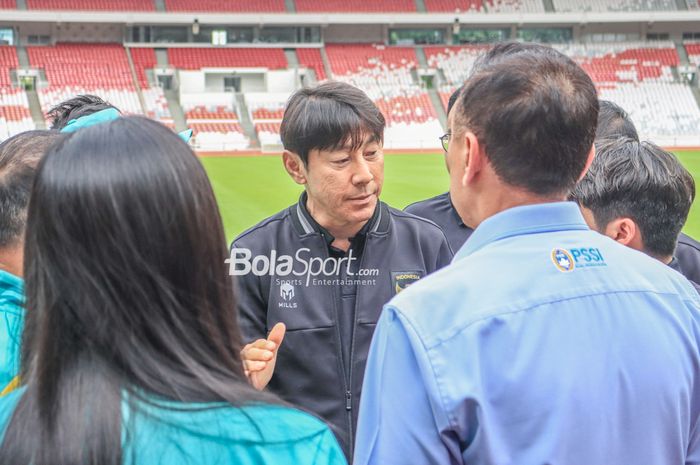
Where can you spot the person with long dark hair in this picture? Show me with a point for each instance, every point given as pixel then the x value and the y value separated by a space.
pixel 131 348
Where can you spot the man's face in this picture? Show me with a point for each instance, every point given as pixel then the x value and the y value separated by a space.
pixel 343 185
pixel 456 161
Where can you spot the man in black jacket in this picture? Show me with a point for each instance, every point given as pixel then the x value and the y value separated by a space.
pixel 314 277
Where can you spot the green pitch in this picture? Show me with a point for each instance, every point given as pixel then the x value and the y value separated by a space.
pixel 250 189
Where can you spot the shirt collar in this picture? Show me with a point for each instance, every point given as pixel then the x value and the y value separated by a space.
pixel 675 265
pixel 520 221
pixel 327 236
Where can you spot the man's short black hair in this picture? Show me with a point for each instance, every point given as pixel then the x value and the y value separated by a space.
pixel 19 156
pixel 453 99
pixel 81 105
pixel 641 181
pixel 534 111
pixel 614 123
pixel 329 116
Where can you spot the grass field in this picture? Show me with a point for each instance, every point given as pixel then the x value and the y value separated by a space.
pixel 250 189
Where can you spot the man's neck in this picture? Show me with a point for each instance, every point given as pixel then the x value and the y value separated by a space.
pixel 341 231
pixel 11 259
pixel 504 199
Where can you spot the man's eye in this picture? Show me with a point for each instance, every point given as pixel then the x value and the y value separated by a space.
pixel 371 154
pixel 341 161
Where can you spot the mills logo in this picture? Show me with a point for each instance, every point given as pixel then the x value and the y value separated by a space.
pixel 287 295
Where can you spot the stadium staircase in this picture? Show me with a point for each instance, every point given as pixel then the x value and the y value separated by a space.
pixel 139 90
pixel 437 104
pixel 326 63
pixel 290 6
pixel 175 109
pixel 245 121
pixel 22 57
pixel 160 5
pixel 681 5
pixel 21 4
pixel 682 54
pixel 420 6
pixel 35 109
pixel 548 6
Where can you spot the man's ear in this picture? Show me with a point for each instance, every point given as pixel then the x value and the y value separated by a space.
pixel 591 156
pixel 474 160
pixel 294 166
pixel 625 231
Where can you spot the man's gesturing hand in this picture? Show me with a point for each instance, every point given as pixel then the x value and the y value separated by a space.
pixel 259 357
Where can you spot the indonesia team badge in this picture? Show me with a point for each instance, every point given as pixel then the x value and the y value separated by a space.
pixel 563 260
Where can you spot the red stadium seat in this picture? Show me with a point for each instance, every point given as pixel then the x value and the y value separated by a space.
pixel 453 5
pixel 311 58
pixel 8 60
pixel 253 6
pixel 197 58
pixel 8 4
pixel 359 6
pixel 92 5
pixel 143 59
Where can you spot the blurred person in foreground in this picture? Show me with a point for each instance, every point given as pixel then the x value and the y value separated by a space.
pixel 19 156
pixel 131 347
pixel 544 341
pixel 639 195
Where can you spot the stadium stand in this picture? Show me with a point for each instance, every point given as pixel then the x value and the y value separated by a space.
pixel 92 5
pixel 8 61
pixel 455 62
pixel 311 58
pixel 358 6
pixel 693 50
pixel 237 6
pixel 8 4
pixel 566 6
pixel 516 6
pixel 638 77
pixel 156 103
pixel 266 112
pixel 197 58
pixel 384 73
pixel 215 127
pixel 14 112
pixel 454 5
pixel 71 69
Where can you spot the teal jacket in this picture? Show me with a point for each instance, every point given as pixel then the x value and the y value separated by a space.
pixel 11 324
pixel 216 434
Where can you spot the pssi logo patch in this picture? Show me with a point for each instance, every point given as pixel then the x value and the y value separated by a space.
pixel 566 260
pixel 400 280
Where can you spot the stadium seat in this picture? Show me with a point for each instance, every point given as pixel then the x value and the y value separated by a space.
pixel 197 58
pixel 311 58
pixel 358 6
pixel 256 6
pixel 565 6
pixel 454 5
pixel 8 61
pixel 8 4
pixel 14 112
pixel 71 69
pixel 216 127
pixel 92 5
pixel 693 50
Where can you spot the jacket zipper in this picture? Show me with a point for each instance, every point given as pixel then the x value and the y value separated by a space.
pixel 346 386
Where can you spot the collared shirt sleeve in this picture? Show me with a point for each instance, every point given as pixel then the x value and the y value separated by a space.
pixel 401 417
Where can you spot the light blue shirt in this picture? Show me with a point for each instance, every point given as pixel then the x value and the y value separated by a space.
pixel 543 343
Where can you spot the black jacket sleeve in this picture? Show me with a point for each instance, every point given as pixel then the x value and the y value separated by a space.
pixel 252 306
